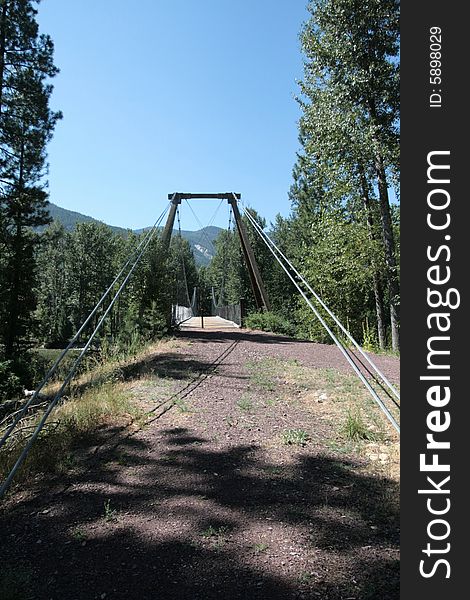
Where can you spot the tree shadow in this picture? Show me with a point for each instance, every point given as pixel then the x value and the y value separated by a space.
pixel 261 337
pixel 165 366
pixel 187 516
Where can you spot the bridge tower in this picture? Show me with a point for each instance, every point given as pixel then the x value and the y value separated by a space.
pixel 259 290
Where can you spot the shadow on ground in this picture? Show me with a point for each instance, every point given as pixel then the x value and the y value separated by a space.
pixel 180 524
pixel 243 335
pixel 172 366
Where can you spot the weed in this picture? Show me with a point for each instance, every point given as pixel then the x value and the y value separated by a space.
pixel 272 400
pixel 343 448
pixel 295 437
pixel 219 543
pixel 369 338
pixel 212 531
pixel 245 403
pixel 78 416
pixel 263 373
pixel 110 514
pixel 305 577
pixel 181 405
pixel 270 321
pixel 79 534
pixel 260 547
pixel 81 414
pixel 263 381
pixel 355 429
pixel 331 375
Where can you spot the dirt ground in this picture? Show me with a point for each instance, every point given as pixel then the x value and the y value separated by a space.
pixel 239 485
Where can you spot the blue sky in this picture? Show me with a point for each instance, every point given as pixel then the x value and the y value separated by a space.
pixel 173 95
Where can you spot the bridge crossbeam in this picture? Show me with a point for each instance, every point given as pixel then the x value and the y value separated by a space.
pixel 257 284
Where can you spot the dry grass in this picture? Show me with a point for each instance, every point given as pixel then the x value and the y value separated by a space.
pixel 109 367
pixel 54 450
pixel 98 398
pixel 340 399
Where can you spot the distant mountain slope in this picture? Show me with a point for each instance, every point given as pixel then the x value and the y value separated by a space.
pixel 70 218
pixel 201 241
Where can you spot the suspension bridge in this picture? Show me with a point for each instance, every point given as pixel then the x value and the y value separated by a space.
pixel 189 315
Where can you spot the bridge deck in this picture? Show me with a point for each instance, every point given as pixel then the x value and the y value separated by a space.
pixel 212 323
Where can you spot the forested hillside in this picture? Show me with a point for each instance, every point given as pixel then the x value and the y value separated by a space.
pixel 201 241
pixel 69 218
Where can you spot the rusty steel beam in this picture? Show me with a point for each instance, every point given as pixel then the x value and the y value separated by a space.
pixel 184 196
pixel 259 291
pixel 170 221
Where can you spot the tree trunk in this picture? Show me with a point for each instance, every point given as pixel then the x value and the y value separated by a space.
pixel 14 304
pixel 390 260
pixel 12 333
pixel 3 34
pixel 387 230
pixel 378 292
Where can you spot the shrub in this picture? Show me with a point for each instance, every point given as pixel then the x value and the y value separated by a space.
pixel 10 384
pixel 269 321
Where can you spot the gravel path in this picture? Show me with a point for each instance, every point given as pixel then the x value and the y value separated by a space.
pixel 205 501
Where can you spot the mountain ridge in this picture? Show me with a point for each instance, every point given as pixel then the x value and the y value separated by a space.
pixel 201 241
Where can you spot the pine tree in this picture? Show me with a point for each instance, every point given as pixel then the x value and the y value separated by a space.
pixel 26 126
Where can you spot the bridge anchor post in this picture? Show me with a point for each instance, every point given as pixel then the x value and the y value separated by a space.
pixel 259 291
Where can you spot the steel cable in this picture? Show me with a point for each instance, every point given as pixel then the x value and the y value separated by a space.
pixel 371 390
pixel 203 229
pixel 5 485
pixel 65 351
pixel 224 261
pixel 332 315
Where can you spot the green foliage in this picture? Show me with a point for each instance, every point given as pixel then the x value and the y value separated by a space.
pixel 27 124
pixel 78 266
pixel 27 370
pixel 79 416
pixel 182 406
pixel 355 429
pixel 295 437
pixel 342 221
pixel 79 535
pixel 245 403
pixel 182 266
pixel 339 267
pixel 215 531
pixel 269 321
pixel 110 514
pixel 369 339
pixel 227 272
pixel 10 384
